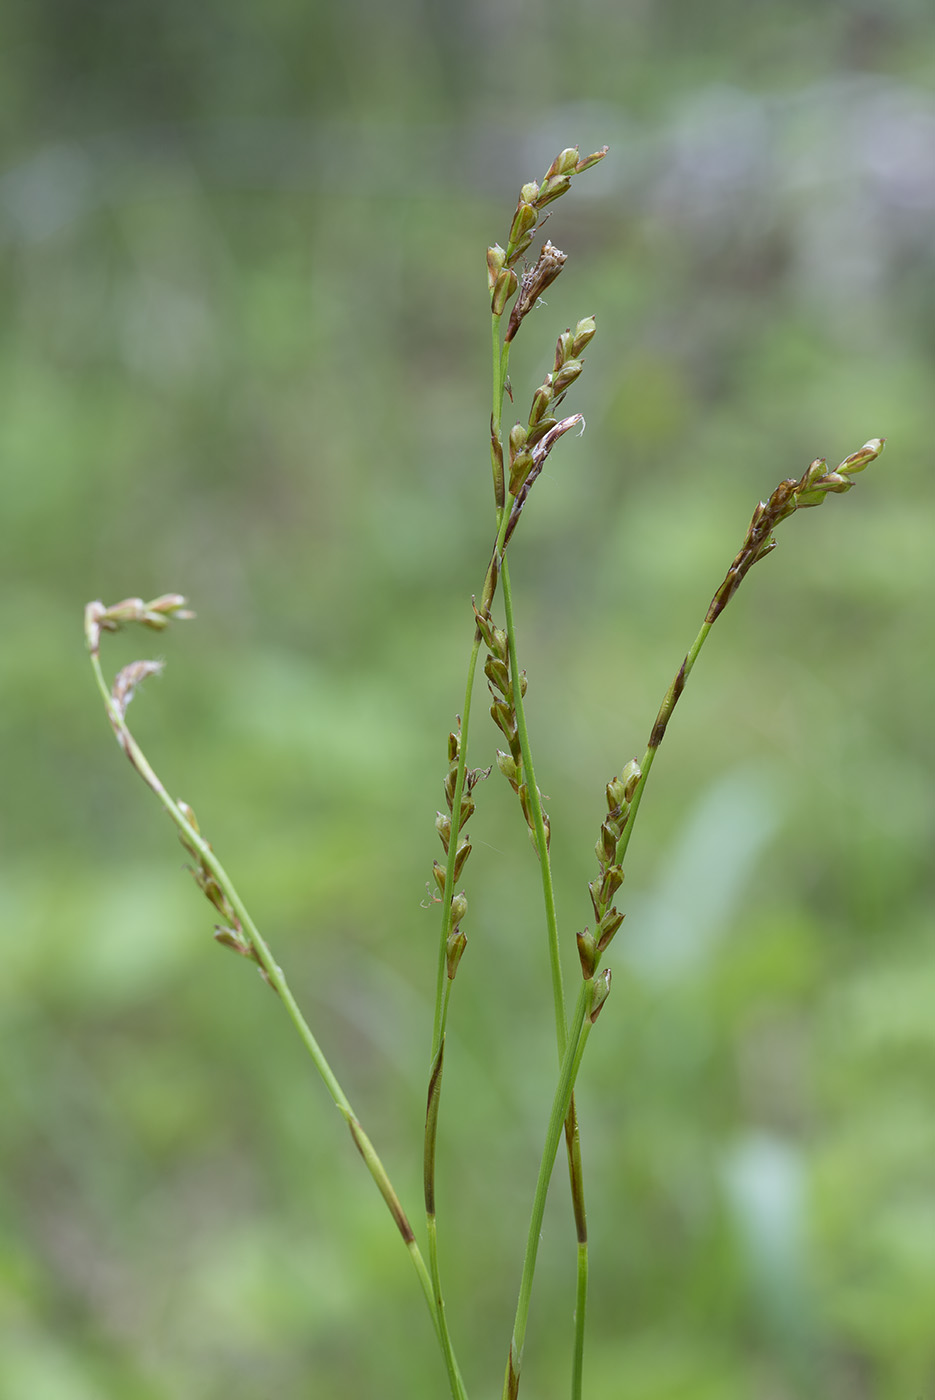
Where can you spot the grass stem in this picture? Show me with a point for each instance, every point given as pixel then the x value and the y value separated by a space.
pixel 277 980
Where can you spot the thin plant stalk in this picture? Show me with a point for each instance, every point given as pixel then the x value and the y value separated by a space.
pixel 572 1135
pixel 273 973
pixel 500 365
pixel 443 978
pixel 504 284
pixel 523 468
pixel 590 1000
pixel 791 495
pixel 542 844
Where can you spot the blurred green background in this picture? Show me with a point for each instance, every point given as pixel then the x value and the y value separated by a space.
pixel 245 357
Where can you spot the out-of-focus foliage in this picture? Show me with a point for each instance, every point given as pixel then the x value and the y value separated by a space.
pixel 244 357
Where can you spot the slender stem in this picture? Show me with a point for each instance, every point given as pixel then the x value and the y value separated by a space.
pixel 581 1303
pixel 455 1380
pixel 442 981
pixel 276 978
pixel 571 1061
pixel 576 1180
pixel 529 777
pixel 501 363
pixel 496 359
pixel 500 360
pixel 572 1136
pixel 431 1131
pixel 496 411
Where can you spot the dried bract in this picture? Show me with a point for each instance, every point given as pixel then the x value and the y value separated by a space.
pixel 550 263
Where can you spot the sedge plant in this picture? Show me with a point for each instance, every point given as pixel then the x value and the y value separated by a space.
pixel 516 281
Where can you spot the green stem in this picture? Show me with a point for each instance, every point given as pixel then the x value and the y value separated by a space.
pixel 454 1374
pixel 277 980
pixel 442 981
pixel 571 1062
pixel 581 1303
pixel 500 361
pixel 496 358
pixel 572 1137
pixel 431 1130
pixel 529 777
